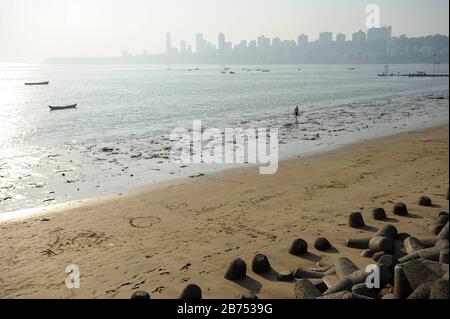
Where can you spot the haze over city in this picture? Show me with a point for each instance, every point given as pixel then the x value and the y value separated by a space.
pixel 31 31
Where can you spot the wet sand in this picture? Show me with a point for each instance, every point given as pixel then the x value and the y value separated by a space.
pixel 93 167
pixel 159 239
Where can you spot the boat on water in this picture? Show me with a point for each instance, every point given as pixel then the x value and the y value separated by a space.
pixel 37 83
pixel 65 107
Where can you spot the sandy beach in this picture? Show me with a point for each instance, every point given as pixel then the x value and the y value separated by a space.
pixel 161 238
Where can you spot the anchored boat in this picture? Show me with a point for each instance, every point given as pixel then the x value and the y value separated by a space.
pixel 65 107
pixel 37 83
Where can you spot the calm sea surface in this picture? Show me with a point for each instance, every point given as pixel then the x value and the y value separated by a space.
pixel 51 157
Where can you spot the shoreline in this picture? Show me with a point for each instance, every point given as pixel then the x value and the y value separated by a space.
pixel 159 239
pixel 40 211
pixel 58 169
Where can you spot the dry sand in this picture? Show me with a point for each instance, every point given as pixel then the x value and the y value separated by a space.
pixel 161 238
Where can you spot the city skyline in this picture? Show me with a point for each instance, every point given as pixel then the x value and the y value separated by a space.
pixel 33 30
pixel 377 45
pixel 325 37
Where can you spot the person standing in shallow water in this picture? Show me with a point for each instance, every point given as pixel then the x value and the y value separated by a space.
pixel 297 114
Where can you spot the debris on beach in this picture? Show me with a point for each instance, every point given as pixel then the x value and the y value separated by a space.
pixel 197 175
pixel 107 149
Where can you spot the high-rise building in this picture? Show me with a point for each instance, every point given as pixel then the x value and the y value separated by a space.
pixel 263 42
pixel 376 34
pixel 392 47
pixel 340 38
pixel 302 41
pixel 252 44
pixel 168 43
pixel 241 46
pixel 221 42
pixel 287 45
pixel 200 45
pixel 276 43
pixel 228 46
pixel 183 46
pixel 359 36
pixel 326 38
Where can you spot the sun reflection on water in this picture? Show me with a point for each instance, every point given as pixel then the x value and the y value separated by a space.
pixel 16 119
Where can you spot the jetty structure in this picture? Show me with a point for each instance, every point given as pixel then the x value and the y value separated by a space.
pixel 418 74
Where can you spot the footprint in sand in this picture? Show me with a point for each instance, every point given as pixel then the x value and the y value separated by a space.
pixel 186 267
pixel 159 289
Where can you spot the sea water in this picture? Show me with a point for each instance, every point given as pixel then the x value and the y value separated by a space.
pixel 118 138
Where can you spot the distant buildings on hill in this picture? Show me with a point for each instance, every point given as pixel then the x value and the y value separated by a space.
pixel 376 46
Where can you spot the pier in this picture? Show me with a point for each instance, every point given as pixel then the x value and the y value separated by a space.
pixel 416 75
pixel 419 74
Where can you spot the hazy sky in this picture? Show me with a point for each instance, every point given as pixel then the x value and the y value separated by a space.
pixel 31 30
